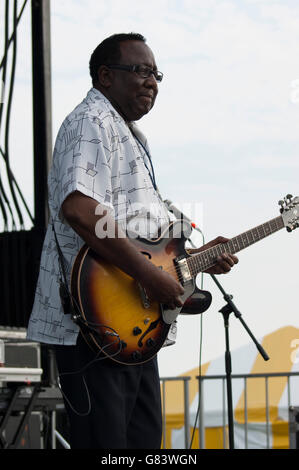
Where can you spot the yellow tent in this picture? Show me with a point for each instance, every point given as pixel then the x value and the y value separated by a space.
pixel 249 431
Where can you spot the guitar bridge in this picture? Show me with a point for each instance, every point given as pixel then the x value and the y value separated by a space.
pixel 144 298
pixel 183 267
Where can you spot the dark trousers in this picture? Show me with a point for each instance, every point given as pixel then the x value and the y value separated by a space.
pixel 109 405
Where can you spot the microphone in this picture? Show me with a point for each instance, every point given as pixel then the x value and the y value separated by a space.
pixel 177 213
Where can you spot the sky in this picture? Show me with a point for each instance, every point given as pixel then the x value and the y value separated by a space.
pixel 223 136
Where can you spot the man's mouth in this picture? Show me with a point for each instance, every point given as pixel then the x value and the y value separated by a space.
pixel 147 98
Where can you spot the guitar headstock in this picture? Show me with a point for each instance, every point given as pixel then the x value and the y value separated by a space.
pixel 289 209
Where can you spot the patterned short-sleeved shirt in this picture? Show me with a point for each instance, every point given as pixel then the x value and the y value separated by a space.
pixel 95 153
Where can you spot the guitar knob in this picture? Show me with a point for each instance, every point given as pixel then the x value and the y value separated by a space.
pixel 150 342
pixel 123 344
pixel 137 331
pixel 136 355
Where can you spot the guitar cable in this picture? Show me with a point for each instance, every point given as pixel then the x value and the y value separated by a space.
pixel 200 352
pixel 80 371
pixel 91 326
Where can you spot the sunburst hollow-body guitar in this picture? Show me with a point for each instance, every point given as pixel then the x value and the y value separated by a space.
pixel 112 309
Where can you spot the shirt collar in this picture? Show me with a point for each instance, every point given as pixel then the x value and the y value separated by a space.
pixel 94 92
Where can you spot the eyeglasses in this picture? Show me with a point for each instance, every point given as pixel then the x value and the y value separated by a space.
pixel 142 70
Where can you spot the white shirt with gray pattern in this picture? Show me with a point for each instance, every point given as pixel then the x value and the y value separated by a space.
pixel 97 154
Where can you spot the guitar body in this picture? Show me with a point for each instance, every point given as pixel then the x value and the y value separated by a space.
pixel 112 309
pixel 124 325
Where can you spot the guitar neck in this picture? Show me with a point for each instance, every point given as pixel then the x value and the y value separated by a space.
pixel 207 258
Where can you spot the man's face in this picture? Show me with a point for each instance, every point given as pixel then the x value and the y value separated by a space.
pixel 132 95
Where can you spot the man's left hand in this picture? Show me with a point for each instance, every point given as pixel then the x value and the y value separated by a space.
pixel 224 262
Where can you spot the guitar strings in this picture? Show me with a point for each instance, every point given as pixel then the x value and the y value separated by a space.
pixel 234 245
pixel 173 269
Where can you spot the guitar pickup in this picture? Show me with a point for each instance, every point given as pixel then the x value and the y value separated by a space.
pixel 184 269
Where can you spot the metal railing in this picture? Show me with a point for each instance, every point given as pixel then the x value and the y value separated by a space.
pixel 245 378
pixel 222 378
pixel 185 380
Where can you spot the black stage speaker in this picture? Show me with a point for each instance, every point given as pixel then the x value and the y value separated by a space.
pixel 20 253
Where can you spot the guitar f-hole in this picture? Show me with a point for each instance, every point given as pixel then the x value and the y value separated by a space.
pixel 152 326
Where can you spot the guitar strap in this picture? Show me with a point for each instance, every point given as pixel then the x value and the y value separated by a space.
pixel 141 139
pixel 67 301
pixel 65 295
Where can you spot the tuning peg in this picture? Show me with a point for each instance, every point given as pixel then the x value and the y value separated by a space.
pixel 289 197
pixel 281 204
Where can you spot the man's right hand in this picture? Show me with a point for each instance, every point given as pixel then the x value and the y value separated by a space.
pixel 162 287
pixel 80 212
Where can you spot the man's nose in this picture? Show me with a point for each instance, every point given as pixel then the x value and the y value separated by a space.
pixel 152 82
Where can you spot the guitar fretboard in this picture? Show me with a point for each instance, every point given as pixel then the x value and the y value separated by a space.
pixel 207 258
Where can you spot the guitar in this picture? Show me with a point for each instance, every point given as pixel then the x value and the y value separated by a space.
pixel 112 309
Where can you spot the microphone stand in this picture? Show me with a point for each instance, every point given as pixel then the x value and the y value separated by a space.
pixel 226 310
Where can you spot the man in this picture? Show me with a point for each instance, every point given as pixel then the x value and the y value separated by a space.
pixel 100 155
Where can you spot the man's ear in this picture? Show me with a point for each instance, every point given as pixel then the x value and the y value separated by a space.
pixel 105 76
